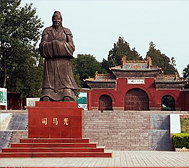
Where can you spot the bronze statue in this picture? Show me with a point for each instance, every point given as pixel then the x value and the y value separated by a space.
pixel 57 48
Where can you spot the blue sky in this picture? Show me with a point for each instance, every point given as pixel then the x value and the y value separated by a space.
pixel 96 25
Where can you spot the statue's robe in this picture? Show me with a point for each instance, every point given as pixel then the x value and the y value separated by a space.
pixel 57 48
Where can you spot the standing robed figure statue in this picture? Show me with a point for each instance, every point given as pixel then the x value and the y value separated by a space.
pixel 57 48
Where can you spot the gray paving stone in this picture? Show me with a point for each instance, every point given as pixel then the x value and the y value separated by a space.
pixel 119 159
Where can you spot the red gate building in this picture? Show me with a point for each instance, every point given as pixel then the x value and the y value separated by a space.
pixel 136 85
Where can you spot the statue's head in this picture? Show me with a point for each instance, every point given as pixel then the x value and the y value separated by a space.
pixel 57 19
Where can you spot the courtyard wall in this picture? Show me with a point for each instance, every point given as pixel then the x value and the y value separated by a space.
pixel 129 130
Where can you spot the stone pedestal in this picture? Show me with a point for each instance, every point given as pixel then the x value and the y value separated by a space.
pixel 55 120
pixel 54 130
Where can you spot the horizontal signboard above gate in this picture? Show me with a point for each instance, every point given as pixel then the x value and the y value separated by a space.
pixel 135 81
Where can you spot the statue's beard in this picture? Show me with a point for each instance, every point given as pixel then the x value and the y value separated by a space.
pixel 57 25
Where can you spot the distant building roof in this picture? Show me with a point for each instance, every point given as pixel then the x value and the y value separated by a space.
pixel 136 65
pixel 136 68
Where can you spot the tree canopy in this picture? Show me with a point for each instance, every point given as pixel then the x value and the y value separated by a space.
pixel 121 48
pixel 161 60
pixel 186 75
pixel 85 66
pixel 21 65
pixel 186 72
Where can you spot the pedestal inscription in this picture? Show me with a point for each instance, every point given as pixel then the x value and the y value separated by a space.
pixel 55 120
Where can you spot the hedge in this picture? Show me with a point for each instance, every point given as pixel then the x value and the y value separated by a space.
pixel 181 140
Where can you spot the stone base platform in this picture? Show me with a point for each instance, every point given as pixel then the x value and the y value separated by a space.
pixel 54 130
pixel 54 147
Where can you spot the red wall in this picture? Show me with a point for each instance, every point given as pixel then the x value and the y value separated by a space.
pixel 118 95
pixel 185 100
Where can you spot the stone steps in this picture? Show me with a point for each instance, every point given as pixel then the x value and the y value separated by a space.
pixel 118 130
pixel 17 135
pixel 55 140
pixel 19 121
pixel 56 154
pixel 54 147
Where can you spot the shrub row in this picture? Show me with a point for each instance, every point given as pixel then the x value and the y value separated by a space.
pixel 181 140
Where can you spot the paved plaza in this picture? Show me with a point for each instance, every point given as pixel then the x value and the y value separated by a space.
pixel 119 159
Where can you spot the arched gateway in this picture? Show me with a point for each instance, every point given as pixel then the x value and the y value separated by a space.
pixel 105 103
pixel 168 103
pixel 136 99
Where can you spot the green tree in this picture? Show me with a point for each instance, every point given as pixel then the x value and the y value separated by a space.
pixel 161 60
pixel 120 49
pixel 186 72
pixel 20 31
pixel 105 65
pixel 85 66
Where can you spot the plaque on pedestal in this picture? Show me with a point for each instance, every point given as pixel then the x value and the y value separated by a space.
pixel 55 120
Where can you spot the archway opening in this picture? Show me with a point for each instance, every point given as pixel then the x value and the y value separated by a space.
pixel 136 99
pixel 105 103
pixel 168 103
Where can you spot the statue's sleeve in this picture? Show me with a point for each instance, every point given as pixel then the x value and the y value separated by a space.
pixel 46 49
pixel 69 45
